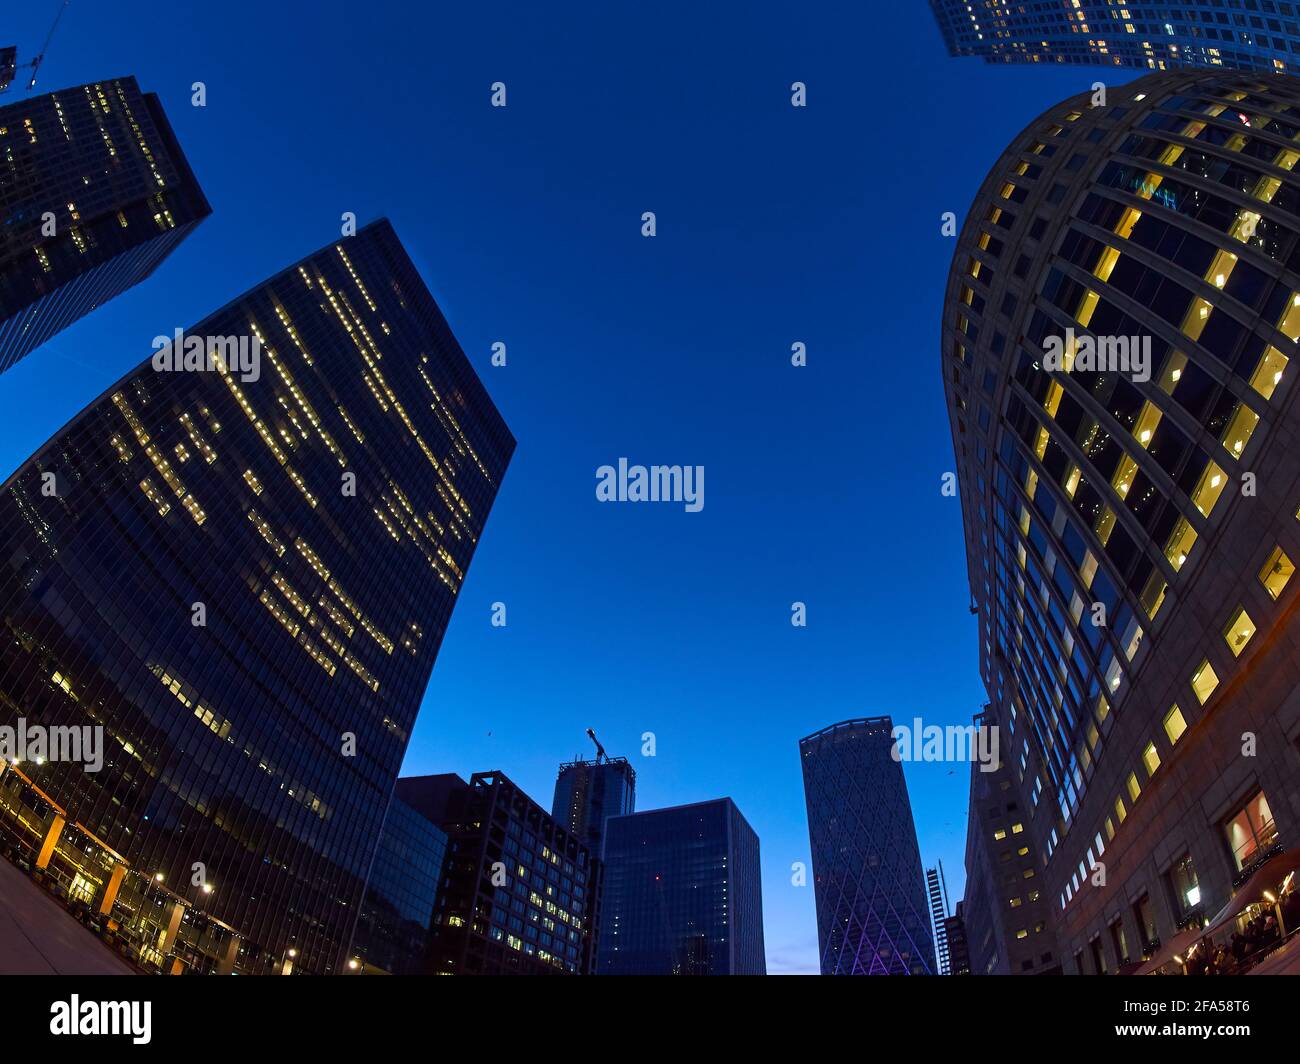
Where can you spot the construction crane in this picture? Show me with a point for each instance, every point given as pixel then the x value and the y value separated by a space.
pixel 8 66
pixel 600 750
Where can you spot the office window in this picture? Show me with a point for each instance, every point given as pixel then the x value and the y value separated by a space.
pixel 1175 724
pixel 1133 787
pixel 1151 759
pixel 1239 631
pixel 1276 572
pixel 1204 681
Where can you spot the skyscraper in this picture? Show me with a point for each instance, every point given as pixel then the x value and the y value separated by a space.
pixel 1008 917
pixel 683 893
pixel 587 793
pixel 938 894
pixel 1118 328
pixel 520 894
pixel 1203 33
pixel 94 193
pixel 871 912
pixel 243 574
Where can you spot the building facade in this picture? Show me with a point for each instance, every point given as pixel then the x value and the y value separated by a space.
pixel 1119 322
pixel 1008 917
pixel 520 894
pixel 872 917
pixel 587 793
pixel 396 918
pixel 239 577
pixel 683 893
pixel 958 950
pixel 1257 35
pixel 94 193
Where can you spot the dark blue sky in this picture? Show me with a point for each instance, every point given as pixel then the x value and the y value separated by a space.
pixel 775 225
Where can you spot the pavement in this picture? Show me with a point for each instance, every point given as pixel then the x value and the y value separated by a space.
pixel 38 936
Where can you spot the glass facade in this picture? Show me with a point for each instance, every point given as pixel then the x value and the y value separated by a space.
pixel 587 793
pixel 244 582
pixel 1260 35
pixel 397 912
pixel 520 894
pixel 683 893
pixel 1097 496
pixel 94 192
pixel 872 917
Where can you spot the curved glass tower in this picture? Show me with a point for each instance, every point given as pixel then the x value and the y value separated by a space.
pixel 242 575
pixel 872 917
pixel 1119 323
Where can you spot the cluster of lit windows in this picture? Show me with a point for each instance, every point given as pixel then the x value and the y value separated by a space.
pixel 1128 33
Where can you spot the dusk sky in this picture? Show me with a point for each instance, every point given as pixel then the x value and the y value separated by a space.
pixel 776 225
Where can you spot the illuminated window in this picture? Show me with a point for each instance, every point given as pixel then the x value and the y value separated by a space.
pixel 1175 724
pixel 1240 428
pixel 1209 488
pixel 1134 789
pixel 1185 887
pixel 1251 831
pixel 1238 632
pixel 1269 372
pixel 1204 681
pixel 1276 572
pixel 999 835
pixel 1151 759
pixel 1180 542
pixel 1016 829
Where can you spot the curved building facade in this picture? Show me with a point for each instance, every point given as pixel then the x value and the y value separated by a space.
pixel 1118 331
pixel 1261 36
pixel 872 917
pixel 241 575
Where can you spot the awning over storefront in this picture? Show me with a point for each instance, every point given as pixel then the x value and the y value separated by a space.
pixel 1267 877
pixel 1175 947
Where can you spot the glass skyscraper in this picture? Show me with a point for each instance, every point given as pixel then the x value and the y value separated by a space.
pixel 1260 35
pixel 683 893
pixel 1119 323
pixel 587 793
pixel 243 574
pixel 872 917
pixel 94 193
